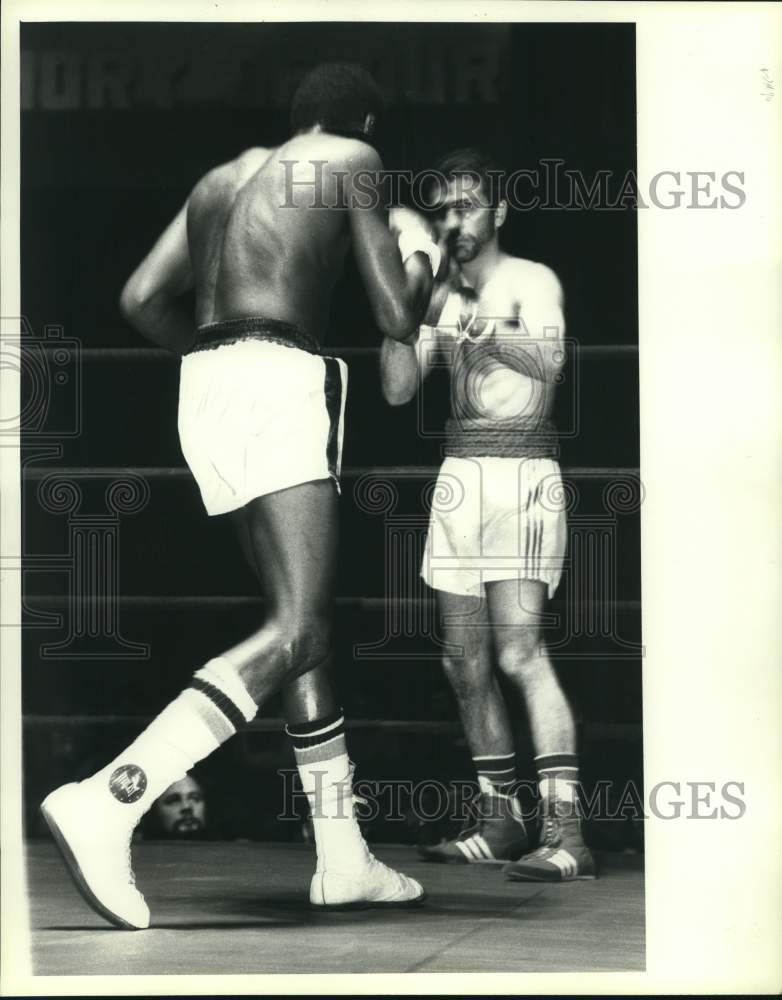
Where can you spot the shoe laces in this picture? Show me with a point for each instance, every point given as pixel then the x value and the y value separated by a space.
pixel 131 875
pixel 548 838
pixel 479 824
pixel 358 800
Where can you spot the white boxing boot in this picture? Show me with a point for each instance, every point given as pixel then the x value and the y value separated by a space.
pixel 348 875
pixel 93 833
pixel 375 885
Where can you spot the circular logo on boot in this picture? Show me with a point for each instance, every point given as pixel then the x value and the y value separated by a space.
pixel 128 783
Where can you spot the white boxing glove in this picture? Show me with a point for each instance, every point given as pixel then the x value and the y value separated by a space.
pixel 417 240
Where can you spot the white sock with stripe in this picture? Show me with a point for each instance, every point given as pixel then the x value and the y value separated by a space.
pixel 496 780
pixel 496 772
pixel 192 726
pixel 558 782
pixel 327 779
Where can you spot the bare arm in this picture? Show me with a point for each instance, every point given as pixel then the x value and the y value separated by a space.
pixel 542 319
pixel 532 338
pixel 150 298
pixel 398 294
pixel 403 366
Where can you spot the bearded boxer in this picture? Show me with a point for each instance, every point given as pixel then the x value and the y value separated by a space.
pixel 262 241
pixel 497 531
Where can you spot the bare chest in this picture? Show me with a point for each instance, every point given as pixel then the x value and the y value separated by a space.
pixel 494 313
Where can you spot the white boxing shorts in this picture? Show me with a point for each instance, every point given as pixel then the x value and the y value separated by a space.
pixel 259 411
pixel 495 519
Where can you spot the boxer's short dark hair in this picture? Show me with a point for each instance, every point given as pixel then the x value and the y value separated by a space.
pixel 477 163
pixel 338 96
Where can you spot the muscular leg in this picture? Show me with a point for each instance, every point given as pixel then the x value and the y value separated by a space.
pixel 295 569
pixel 293 537
pixel 481 705
pixel 499 834
pixel 514 609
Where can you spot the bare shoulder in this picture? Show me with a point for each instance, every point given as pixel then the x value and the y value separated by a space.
pixel 251 160
pixel 533 276
pixel 354 154
pixel 216 179
pixel 231 174
pixel 339 153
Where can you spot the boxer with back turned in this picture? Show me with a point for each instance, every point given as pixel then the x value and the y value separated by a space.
pixel 262 241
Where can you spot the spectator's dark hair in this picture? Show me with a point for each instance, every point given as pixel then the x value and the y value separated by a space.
pixel 338 96
pixel 475 163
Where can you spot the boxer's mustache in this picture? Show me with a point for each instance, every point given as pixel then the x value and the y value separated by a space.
pixel 457 242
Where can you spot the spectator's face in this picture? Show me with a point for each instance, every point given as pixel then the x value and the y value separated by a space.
pixel 181 808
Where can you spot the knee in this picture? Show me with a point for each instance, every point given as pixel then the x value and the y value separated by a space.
pixel 519 657
pixel 466 674
pixel 303 644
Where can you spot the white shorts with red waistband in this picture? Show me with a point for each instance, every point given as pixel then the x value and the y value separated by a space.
pixel 256 417
pixel 495 519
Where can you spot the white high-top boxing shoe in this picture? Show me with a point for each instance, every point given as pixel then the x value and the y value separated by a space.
pixel 348 875
pixel 373 885
pixel 93 835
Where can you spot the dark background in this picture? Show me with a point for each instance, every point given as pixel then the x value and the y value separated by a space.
pixel 118 123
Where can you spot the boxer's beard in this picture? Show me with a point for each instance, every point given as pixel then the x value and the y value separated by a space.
pixel 464 248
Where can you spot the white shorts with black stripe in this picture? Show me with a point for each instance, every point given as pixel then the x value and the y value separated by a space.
pixel 256 417
pixel 495 519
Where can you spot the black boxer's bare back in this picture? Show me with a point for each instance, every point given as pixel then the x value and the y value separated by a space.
pixel 267 234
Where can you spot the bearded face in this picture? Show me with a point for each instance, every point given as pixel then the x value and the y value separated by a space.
pixel 466 220
pixel 181 809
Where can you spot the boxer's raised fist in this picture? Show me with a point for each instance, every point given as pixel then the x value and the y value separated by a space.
pixel 402 218
pixel 413 233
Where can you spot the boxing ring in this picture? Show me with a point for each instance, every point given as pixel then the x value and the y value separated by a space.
pixel 227 909
pixel 244 905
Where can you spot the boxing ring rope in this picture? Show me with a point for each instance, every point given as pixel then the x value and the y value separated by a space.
pixel 428 727
pixel 156 354
pixel 201 602
pixel 349 472
pixel 142 354
pixel 590 730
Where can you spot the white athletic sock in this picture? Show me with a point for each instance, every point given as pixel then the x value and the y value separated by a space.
pixel 326 777
pixel 193 725
pixel 559 787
